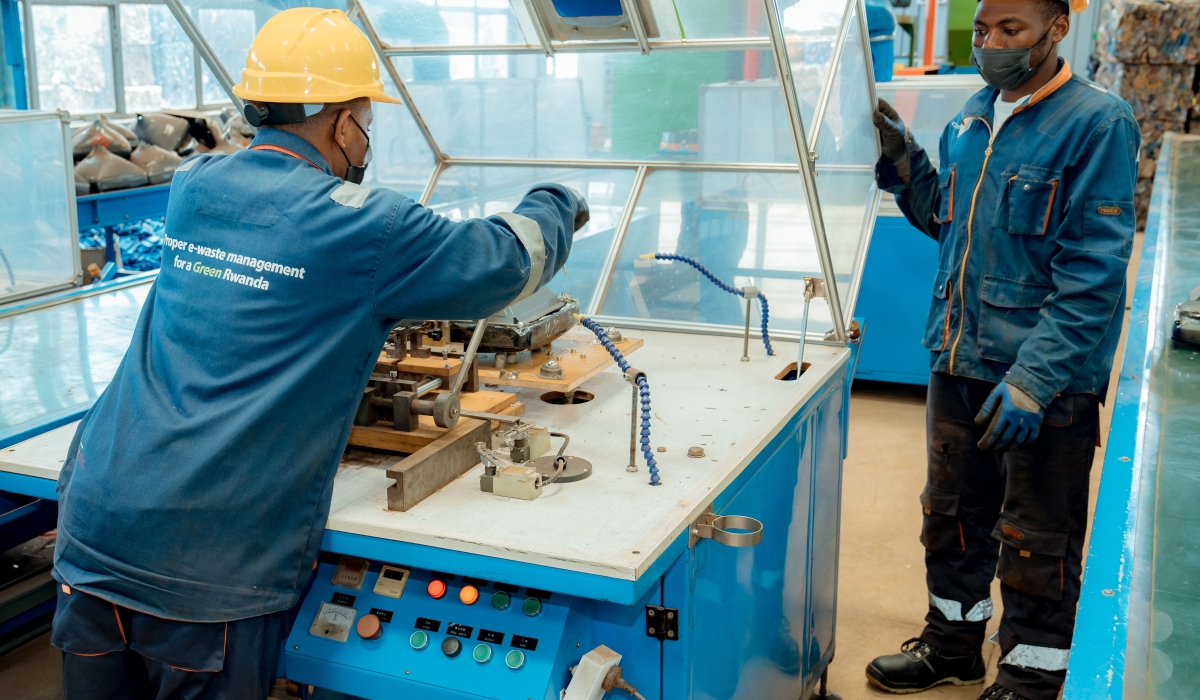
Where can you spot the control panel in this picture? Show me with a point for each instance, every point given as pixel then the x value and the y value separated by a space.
pixel 369 629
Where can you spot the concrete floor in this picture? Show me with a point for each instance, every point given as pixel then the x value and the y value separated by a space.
pixel 881 592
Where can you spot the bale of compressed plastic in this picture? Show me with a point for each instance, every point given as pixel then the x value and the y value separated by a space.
pixel 81 141
pixel 1158 92
pixel 159 163
pixel 162 130
pixel 1149 32
pixel 106 171
pixel 122 130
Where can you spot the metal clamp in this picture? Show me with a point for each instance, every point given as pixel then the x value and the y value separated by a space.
pixel 717 528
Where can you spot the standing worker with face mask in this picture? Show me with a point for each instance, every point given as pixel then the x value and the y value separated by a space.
pixel 1033 214
pixel 195 493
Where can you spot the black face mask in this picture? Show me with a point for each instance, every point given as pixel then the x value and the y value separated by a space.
pixel 355 173
pixel 1006 69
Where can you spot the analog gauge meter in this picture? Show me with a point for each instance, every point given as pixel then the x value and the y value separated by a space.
pixel 333 622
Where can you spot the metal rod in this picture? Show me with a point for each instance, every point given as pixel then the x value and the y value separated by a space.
pixel 469 356
pixel 827 87
pixel 633 431
pixel 206 51
pixel 783 68
pixel 633 12
pixel 803 337
pixel 746 340
pixel 429 386
pixel 390 67
pixel 499 418
pixel 860 259
pixel 611 46
pixel 539 27
pixel 610 260
pixel 427 193
pixel 653 324
pixel 31 78
pixel 609 164
pixel 865 39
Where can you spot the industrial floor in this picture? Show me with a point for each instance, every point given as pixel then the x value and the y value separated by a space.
pixel 881 594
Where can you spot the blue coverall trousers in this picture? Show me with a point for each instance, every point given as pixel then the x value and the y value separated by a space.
pixel 1019 515
pixel 113 653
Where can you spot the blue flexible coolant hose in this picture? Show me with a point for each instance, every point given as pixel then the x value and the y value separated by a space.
pixel 762 298
pixel 643 392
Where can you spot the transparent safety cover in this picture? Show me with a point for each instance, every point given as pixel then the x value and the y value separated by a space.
pixel 39 247
pixel 677 129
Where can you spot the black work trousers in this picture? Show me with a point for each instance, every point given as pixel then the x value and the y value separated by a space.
pixel 1020 515
pixel 114 653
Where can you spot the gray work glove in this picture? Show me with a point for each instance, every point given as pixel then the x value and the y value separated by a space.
pixel 892 137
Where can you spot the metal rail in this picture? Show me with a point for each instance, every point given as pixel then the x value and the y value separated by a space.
pixel 783 68
pixel 610 260
pixel 206 52
pixel 390 67
pixel 539 27
pixel 633 12
pixel 427 193
pixel 598 164
pixel 610 46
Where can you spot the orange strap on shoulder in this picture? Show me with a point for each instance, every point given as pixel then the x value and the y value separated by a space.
pixel 267 147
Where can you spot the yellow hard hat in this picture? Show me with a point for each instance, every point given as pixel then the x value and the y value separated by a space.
pixel 1077 5
pixel 311 55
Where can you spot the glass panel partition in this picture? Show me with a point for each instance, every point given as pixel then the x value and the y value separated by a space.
pixel 39 248
pixel 747 228
pixel 928 104
pixel 159 73
pixel 466 192
pixel 74 58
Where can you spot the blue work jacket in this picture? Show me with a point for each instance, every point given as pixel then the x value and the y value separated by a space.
pixel 1034 225
pixel 198 486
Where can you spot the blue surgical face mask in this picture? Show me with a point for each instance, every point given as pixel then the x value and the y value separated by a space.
pixel 1006 69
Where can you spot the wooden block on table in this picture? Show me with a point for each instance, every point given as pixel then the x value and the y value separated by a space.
pixel 576 370
pixel 381 436
pixel 434 366
pixel 430 468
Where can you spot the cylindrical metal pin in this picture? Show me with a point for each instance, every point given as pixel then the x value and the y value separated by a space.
pixel 746 340
pixel 633 432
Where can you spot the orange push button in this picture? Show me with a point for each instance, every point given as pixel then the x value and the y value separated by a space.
pixel 436 589
pixel 468 595
pixel 368 626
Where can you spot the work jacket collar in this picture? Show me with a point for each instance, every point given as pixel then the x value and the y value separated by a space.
pixel 980 105
pixel 289 141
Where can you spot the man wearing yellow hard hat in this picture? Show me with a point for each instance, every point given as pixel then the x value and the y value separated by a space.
pixel 1033 213
pixel 195 493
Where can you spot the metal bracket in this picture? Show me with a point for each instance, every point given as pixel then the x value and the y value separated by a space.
pixel 814 287
pixel 717 528
pixel 662 623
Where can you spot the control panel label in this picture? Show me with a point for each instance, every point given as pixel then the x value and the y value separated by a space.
pixel 538 593
pixel 444 577
pixel 491 637
pixel 459 630
pixel 344 599
pixel 507 587
pixel 526 643
pixel 383 615
pixel 424 623
pixel 476 582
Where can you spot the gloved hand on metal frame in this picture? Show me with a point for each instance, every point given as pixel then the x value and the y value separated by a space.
pixel 893 136
pixel 1016 419
pixel 582 213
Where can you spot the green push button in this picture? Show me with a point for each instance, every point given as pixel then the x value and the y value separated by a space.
pixel 531 607
pixel 514 659
pixel 482 653
pixel 418 640
pixel 501 600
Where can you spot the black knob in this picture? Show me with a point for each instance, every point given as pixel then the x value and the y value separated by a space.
pixel 451 646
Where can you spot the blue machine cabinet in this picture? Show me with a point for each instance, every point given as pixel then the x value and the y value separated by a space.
pixel 894 300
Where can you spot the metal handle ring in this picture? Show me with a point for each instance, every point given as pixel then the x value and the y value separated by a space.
pixel 722 523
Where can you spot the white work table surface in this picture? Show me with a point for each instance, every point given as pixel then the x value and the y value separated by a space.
pixel 614 523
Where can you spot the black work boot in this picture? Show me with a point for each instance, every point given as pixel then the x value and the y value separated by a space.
pixel 997 692
pixel 920 666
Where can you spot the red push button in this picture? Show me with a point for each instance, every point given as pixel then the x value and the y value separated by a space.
pixel 436 589
pixel 368 626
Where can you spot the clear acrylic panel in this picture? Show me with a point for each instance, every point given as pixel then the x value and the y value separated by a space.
pixel 471 192
pixel 928 104
pixel 709 19
pixel 810 30
pixel 447 22
pixel 596 105
pixel 747 228
pixel 847 149
pixel 74 58
pixel 157 55
pixel 38 247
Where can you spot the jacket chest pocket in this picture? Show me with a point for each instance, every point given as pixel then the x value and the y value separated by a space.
pixel 946 191
pixel 1028 204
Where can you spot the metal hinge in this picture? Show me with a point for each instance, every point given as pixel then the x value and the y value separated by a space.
pixel 662 623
